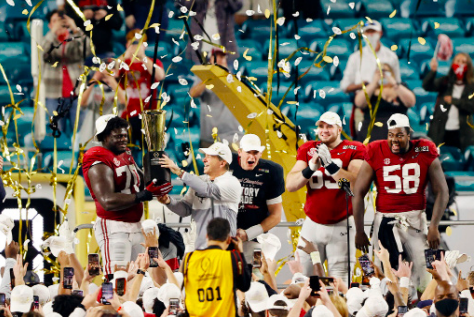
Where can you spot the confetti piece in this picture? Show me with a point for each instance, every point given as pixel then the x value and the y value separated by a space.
pixel 360 125
pixel 215 36
pixel 352 5
pixel 327 59
pixel 89 27
pixel 25 12
pixel 267 13
pixel 336 30
pixel 297 37
pixel 240 128
pixel 393 14
pixel 170 14
pixel 297 61
pixel 29 2
pixel 393 47
pixel 270 112
pixel 183 81
pixel 250 12
pixel 39 47
pixel 296 14
pixel 155 85
pixel 198 37
pixel 195 45
pixel 18 87
pixel 239 89
pixel 17 116
pixel 281 21
pixel 369 19
pixel 138 36
pixel 184 163
pixel 448 231
pixel 442 108
pixel 421 40
pixel 55 64
pixel 352 35
pixel 229 78
pixel 378 124
pixel 119 8
pixel 328 10
pixel 147 99
pixel 470 97
pixel 177 59
pixel 10 2
pixel 436 25
pixel 210 86
pixel 247 58
pixel 252 115
pixel 192 13
pixel 183 10
pixel 108 17
pixel 321 93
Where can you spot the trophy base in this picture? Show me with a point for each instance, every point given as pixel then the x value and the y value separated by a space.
pixel 153 170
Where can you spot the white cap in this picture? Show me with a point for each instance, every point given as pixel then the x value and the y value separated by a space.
pixel 132 309
pixel 42 292
pixel 78 312
pixel 373 25
pixel 219 149
pixel 56 244
pixel 148 226
pixel 48 309
pixel 299 278
pixel 6 226
pixel 148 299
pixel 21 299
pixel 101 122
pixel 321 311
pixel 278 297
pixel 270 245
pixel 257 297
pixel 415 312
pixel 375 306
pixel 251 142
pixel 53 291
pixel 167 291
pixel 179 277
pixel 147 283
pixel 354 299
pixel 330 117
pixel 398 120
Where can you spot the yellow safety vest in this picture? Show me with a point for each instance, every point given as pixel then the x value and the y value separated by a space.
pixel 209 283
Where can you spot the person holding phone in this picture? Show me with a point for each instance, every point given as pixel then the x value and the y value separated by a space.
pixel 319 167
pixel 401 168
pixel 212 275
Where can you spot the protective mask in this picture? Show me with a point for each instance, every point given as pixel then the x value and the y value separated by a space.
pixel 459 70
pixel 374 39
pixel 447 307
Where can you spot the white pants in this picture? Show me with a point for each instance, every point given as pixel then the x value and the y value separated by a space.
pixel 413 240
pixel 331 241
pixel 119 242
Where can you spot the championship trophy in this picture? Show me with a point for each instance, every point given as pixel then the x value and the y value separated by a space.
pixel 154 128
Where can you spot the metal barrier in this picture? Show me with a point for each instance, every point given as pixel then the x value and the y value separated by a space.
pixel 293 224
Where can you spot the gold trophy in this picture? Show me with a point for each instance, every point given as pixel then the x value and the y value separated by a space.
pixel 154 127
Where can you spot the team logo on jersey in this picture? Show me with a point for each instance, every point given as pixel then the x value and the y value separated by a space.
pixel 387 161
pixel 351 147
pixel 311 152
pixel 128 152
pixel 116 161
pixel 421 149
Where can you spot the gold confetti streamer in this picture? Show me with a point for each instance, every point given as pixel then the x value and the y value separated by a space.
pixel 393 14
pixel 107 18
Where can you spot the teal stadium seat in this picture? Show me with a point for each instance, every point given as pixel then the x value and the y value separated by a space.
pixel 419 53
pixel 286 50
pixel 254 50
pixel 459 8
pixel 337 47
pixel 307 116
pixel 63 143
pixel 468 27
pixel 469 157
pixel 118 48
pixel 175 28
pixel 64 156
pixel 442 70
pixel 258 30
pixel 398 28
pixel 336 72
pixel 408 71
pixel 464 45
pixel 181 142
pixel 423 96
pixel 119 35
pixel 415 121
pixel 258 70
pixel 426 8
pixel 376 9
pixel 448 26
pixel 23 122
pixel 13 52
pixel 314 74
pixel 178 93
pixel 164 51
pixel 333 93
pixel 426 110
pixel 339 9
pixel 278 94
pixel 347 23
pixel 464 181
pixel 451 158
pixel 308 31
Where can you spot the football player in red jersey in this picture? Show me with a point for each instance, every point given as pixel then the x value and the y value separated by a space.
pixel 115 183
pixel 320 164
pixel 400 168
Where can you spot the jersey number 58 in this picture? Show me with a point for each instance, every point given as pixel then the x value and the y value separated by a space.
pixel 407 179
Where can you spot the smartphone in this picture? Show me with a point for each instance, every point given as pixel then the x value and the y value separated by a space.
pixel 12 278
pixel 36 302
pixel 463 308
pixel 328 281
pixel 173 307
pixel 401 311
pixel 108 314
pixel 153 253
pixel 257 259
pixel 314 285
pixel 107 293
pixel 93 264
pixel 366 265
pixel 430 256
pixel 68 278
pixel 120 286
pixel 78 292
pixel 2 299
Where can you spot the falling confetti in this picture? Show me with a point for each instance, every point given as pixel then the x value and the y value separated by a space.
pixel 252 115
pixel 210 86
pixel 281 21
pixel 378 124
pixel 421 40
pixel 155 85
pixel 297 61
pixel 216 36
pixel 250 12
pixel 448 231
pixel 321 93
pixel 10 2
pixel 236 64
pixel 336 61
pixel 296 14
pixel 24 12
pixel 442 108
pixel 352 5
pixel 393 47
pixel 327 59
pixel 336 30
pixel 177 59
pixel 183 10
pixel 393 14
pixel 229 78
pixel 247 58
pixel 195 45
pixel 436 25
pixel 352 35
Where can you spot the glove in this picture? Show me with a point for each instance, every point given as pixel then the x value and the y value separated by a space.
pixel 326 158
pixel 161 190
pixel 65 232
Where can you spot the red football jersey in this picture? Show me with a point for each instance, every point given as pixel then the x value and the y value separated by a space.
pixel 326 203
pixel 401 179
pixel 126 180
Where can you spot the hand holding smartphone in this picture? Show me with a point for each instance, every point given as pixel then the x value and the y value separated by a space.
pixel 173 307
pixel 432 255
pixel 120 284
pixel 93 264
pixel 366 265
pixel 153 254
pixel 257 259
pixel 68 277
pixel 107 293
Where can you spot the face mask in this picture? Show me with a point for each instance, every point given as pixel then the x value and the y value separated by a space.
pixel 459 70
pixel 447 307
pixel 374 39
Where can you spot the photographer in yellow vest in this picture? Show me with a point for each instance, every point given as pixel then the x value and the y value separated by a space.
pixel 212 275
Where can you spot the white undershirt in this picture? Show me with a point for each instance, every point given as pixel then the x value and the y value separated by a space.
pixel 210 25
pixel 453 122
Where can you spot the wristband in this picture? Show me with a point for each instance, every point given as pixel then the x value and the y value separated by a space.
pixel 332 168
pixel 404 282
pixel 313 166
pixel 139 271
pixel 315 256
pixel 307 172
pixel 253 232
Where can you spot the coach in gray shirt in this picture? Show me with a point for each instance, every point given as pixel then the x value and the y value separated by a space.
pixel 215 194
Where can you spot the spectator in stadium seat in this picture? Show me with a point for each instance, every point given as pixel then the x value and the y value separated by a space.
pixel 452 122
pixel 214 113
pixel 362 70
pixel 136 13
pixel 216 17
pixel 63 65
pixel 396 98
pixel 96 11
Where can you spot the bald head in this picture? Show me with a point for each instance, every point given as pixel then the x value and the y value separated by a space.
pixel 445 290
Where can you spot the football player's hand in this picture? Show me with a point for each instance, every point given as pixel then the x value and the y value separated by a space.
pixel 362 242
pixel 159 190
pixel 433 237
pixel 324 154
pixel 314 162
